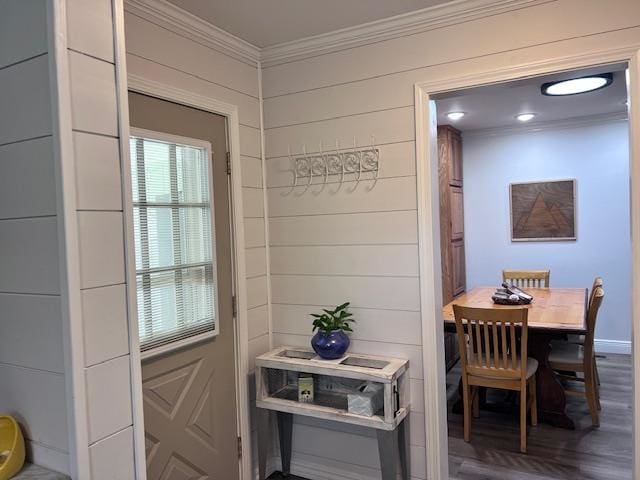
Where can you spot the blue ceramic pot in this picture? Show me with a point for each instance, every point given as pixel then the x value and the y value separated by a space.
pixel 332 345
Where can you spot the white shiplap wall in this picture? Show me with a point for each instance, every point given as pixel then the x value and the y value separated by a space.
pixel 361 246
pixel 32 385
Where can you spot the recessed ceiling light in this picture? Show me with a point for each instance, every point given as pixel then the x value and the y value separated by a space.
pixel 525 117
pixel 455 115
pixel 575 86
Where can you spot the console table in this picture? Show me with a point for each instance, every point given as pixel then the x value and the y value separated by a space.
pixel 277 374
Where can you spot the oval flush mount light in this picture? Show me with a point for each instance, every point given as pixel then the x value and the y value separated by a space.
pixel 525 117
pixel 455 115
pixel 576 86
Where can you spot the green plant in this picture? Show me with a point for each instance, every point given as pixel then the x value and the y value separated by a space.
pixel 337 319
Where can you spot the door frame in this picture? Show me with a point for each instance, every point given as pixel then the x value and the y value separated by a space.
pixel 429 232
pixel 162 91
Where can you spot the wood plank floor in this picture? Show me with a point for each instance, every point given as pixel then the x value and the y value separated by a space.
pixel 586 453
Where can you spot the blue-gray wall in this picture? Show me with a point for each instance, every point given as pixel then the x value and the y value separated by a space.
pixel 597 156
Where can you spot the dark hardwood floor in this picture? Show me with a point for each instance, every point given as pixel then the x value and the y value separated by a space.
pixel 585 453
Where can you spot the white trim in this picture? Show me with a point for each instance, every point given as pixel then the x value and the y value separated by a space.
pixel 428 210
pixel 68 249
pixel 575 122
pixel 411 23
pixel 613 346
pixel 135 362
pixel 189 26
pixel 160 90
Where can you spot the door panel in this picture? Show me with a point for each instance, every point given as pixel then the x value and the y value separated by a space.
pixel 190 395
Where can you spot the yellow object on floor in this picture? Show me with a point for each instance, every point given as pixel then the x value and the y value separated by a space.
pixel 11 447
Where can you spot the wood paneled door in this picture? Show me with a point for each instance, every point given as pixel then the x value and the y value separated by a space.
pixel 189 393
pixel 451 212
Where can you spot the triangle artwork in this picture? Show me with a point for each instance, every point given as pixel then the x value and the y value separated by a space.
pixel 543 211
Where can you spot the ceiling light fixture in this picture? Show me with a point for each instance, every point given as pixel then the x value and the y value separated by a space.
pixel 576 86
pixel 525 117
pixel 455 115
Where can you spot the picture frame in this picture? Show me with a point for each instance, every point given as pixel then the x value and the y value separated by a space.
pixel 543 211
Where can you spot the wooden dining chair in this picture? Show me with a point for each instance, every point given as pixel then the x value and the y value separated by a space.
pixel 489 341
pixel 527 278
pixel 572 357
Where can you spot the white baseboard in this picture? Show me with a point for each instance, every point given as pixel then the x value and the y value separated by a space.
pixel 613 346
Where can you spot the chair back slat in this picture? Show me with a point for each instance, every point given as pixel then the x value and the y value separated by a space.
pixel 486 347
pixel 527 278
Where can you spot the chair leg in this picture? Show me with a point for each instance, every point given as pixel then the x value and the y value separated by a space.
pixel 466 401
pixel 590 391
pixel 523 419
pixel 534 401
pixel 475 406
pixel 597 375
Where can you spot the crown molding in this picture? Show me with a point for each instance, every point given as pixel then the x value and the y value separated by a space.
pixel 183 23
pixel 574 122
pixel 438 16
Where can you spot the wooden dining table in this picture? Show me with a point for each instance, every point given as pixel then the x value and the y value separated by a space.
pixel 553 313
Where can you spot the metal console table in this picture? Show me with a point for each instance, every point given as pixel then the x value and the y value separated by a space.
pixel 277 374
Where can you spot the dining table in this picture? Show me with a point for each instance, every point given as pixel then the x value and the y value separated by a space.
pixel 553 313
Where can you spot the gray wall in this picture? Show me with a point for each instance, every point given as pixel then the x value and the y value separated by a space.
pixel 597 157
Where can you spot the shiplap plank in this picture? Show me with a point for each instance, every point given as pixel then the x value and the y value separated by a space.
pixel 256 291
pixel 258 321
pixel 90 27
pixel 253 202
pixel 102 454
pixel 93 95
pixel 550 21
pixel 361 229
pixel 389 126
pixel 392 293
pixel 370 324
pixel 101 248
pixel 24 91
pixel 23 30
pixel 27 173
pixel 385 195
pixel 396 160
pixel 104 311
pixel 411 352
pixel 37 400
pixel 254 232
pixel 382 260
pixel 251 172
pixel 32 332
pixel 158 44
pixel 256 261
pixel 29 260
pixel 248 106
pixel 257 346
pixel 250 141
pixel 98 176
pixel 108 398
pixel 47 457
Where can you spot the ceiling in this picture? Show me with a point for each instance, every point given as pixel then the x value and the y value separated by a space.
pixel 495 106
pixel 264 23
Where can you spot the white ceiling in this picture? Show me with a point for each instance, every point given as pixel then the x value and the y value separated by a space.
pixel 268 22
pixel 495 106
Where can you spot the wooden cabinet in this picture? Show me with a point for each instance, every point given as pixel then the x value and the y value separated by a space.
pixel 451 212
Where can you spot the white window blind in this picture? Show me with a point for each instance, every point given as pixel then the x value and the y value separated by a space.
pixel 174 240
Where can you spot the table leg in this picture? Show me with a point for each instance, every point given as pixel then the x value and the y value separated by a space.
pixel 263 442
pixel 388 451
pixel 552 400
pixel 285 433
pixel 403 446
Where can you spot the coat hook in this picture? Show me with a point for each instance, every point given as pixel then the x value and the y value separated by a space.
pixel 310 163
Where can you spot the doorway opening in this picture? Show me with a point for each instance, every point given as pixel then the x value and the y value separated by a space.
pixel 534 185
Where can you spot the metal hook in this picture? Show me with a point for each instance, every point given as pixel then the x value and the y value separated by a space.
pixel 304 152
pixel 295 167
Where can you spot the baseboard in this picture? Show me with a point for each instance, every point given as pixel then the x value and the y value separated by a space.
pixel 613 346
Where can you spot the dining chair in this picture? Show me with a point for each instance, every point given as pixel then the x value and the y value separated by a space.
pixel 489 341
pixel 527 278
pixel 573 357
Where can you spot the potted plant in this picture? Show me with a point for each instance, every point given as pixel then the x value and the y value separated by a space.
pixel 330 341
